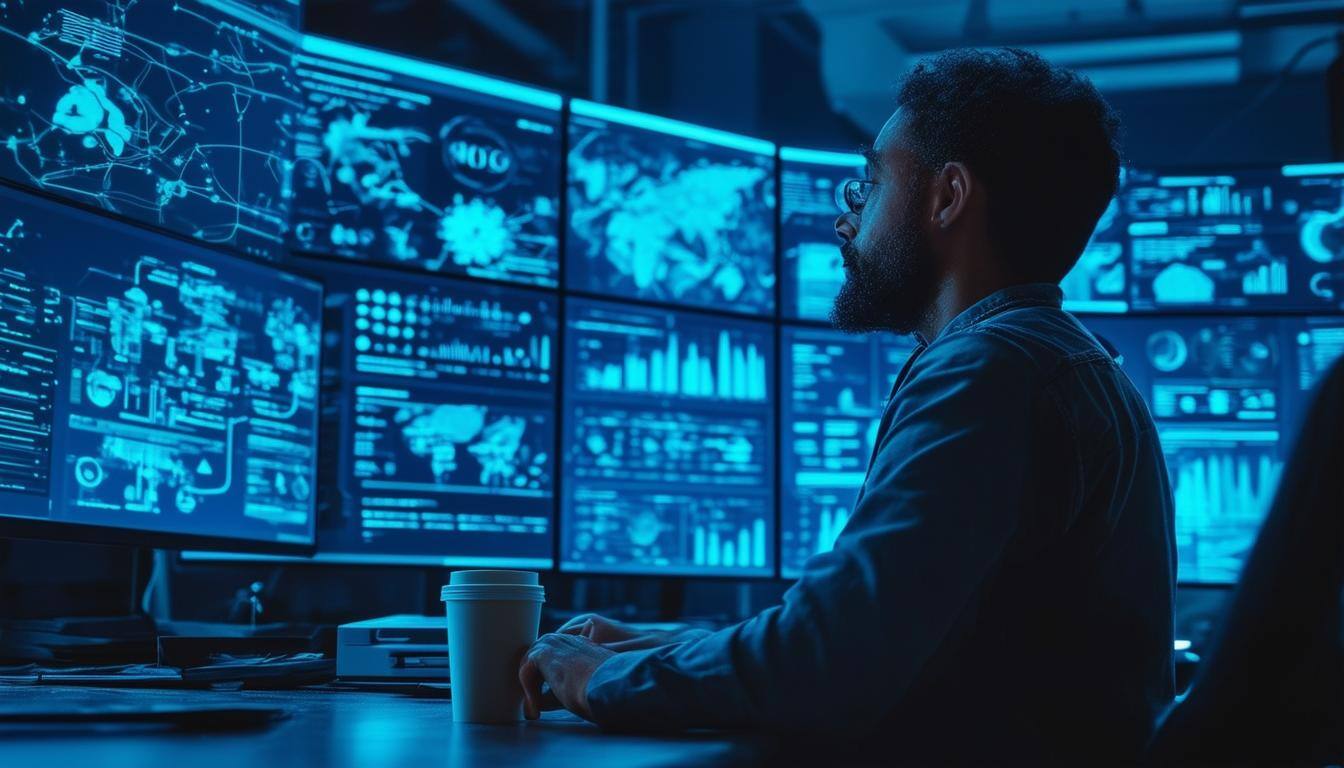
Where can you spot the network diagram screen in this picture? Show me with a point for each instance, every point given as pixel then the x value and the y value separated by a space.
pixel 403 162
pixel 667 211
pixel 1263 239
pixel 833 391
pixel 439 423
pixel 151 384
pixel 177 114
pixel 1225 393
pixel 812 270
pixel 668 442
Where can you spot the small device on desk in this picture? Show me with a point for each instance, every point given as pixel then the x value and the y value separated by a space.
pixel 393 648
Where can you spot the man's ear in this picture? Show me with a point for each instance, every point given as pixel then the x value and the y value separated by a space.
pixel 952 190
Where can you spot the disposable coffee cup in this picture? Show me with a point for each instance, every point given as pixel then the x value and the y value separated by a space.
pixel 493 617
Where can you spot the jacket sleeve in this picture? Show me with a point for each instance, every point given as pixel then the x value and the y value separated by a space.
pixel 944 495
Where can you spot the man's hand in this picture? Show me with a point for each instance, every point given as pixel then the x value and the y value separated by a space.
pixel 566 662
pixel 615 635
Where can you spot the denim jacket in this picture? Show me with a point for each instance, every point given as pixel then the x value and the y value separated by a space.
pixel 1003 589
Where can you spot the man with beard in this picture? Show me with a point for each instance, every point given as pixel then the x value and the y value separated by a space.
pixel 1003 589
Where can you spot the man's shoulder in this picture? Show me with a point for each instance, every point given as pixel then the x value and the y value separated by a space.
pixel 1039 339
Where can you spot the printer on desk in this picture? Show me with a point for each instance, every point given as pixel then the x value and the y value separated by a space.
pixel 393 648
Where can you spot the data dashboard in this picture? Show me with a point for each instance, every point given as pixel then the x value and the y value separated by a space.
pixel 833 391
pixel 178 114
pixel 439 423
pixel 403 162
pixel 668 442
pixel 1222 393
pixel 151 384
pixel 1252 240
pixel 667 211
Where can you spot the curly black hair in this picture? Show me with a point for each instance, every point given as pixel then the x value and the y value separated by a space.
pixel 1041 139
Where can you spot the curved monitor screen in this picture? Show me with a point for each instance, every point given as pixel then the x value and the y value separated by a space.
pixel 177 114
pixel 439 428
pixel 668 442
pixel 151 384
pixel 403 162
pixel 666 211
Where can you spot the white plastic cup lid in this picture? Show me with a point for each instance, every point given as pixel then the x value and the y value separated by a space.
pixel 493 585
pixel 459 578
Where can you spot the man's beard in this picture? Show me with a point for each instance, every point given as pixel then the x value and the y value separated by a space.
pixel 889 287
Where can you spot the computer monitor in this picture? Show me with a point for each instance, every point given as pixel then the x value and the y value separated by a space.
pixel 811 270
pixel 1098 283
pixel 154 391
pixel 1216 388
pixel 404 162
pixel 1259 239
pixel 833 389
pixel 438 420
pixel 668 211
pixel 176 114
pixel 668 442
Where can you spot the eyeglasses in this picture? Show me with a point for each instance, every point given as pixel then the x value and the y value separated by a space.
pixel 852 194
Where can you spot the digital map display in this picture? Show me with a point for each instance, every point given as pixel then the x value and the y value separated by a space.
pixel 180 114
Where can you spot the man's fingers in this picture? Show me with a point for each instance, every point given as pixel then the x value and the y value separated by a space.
pixel 576 625
pixel 529 675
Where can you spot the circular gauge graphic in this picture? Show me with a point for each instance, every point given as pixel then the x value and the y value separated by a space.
pixel 88 472
pixel 102 388
pixel 1167 351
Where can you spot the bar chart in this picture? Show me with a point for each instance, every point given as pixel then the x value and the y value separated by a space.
pixel 639 351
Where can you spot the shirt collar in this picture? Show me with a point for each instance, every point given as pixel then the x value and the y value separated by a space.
pixel 1012 297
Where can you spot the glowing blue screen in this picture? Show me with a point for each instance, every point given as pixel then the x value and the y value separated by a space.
pixel 670 212
pixel 812 270
pixel 1226 394
pixel 1097 283
pixel 151 384
pixel 1246 240
pixel 833 390
pixel 668 442
pixel 178 114
pixel 403 162
pixel 439 429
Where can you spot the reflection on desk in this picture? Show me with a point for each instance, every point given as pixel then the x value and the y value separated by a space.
pixel 367 730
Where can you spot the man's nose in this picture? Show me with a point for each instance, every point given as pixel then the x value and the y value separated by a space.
pixel 847 226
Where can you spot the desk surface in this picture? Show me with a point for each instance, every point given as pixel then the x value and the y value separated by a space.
pixel 343 728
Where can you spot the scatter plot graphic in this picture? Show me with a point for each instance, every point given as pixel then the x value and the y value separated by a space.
pixel 833 391
pixel 668 442
pixel 666 211
pixel 403 162
pixel 813 270
pixel 179 114
pixel 186 382
pixel 440 429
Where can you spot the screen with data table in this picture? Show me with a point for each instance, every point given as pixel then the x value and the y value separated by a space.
pixel 403 162
pixel 178 114
pixel 151 384
pixel 833 389
pixel 812 269
pixel 439 420
pixel 1220 390
pixel 668 442
pixel 666 211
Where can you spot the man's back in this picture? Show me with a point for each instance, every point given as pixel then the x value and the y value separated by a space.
pixel 1066 649
pixel 1002 590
